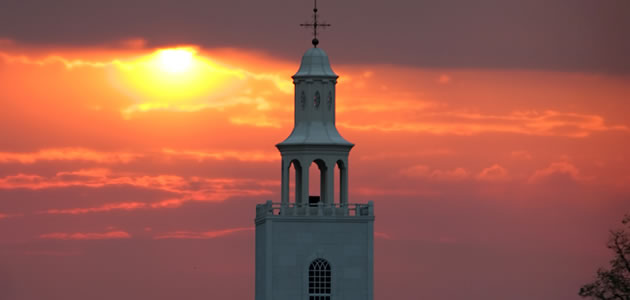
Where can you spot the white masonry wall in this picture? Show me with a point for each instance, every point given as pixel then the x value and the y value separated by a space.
pixel 285 247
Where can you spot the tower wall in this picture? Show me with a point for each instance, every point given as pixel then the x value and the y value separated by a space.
pixel 314 100
pixel 346 242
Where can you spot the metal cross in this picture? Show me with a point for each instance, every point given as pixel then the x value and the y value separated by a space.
pixel 315 25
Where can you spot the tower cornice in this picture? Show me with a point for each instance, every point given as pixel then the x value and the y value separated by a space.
pixel 312 148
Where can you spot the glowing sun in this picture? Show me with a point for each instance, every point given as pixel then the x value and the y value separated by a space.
pixel 175 60
pixel 178 79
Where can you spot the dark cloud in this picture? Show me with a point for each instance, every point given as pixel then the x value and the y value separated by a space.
pixel 568 35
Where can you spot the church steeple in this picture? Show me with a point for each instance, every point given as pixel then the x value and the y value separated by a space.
pixel 313 248
pixel 315 137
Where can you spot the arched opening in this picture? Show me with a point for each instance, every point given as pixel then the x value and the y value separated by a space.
pixel 317 176
pixel 314 175
pixel 319 280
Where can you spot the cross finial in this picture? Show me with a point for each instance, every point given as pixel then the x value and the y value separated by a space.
pixel 315 24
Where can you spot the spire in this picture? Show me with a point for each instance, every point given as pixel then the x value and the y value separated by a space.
pixel 314 101
pixel 315 24
pixel 315 138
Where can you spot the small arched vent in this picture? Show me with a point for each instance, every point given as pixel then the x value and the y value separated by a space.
pixel 316 100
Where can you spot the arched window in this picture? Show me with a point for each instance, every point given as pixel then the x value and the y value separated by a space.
pixel 319 280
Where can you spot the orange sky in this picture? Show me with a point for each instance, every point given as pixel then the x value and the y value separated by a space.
pixel 124 146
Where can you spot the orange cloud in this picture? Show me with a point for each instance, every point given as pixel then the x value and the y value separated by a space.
pixel 68 154
pixel 375 191
pixel 417 171
pixel 134 43
pixel 6 216
pixel 557 168
pixel 444 79
pixel 255 156
pixel 6 42
pixel 169 203
pixel 262 95
pixel 450 175
pixel 494 173
pixel 437 174
pixel 147 77
pixel 86 236
pixel 55 59
pixel 521 154
pixel 547 123
pixel 88 155
pixel 408 154
pixel 91 178
pixel 89 90
pixel 103 208
pixel 398 105
pixel 189 188
pixel 201 235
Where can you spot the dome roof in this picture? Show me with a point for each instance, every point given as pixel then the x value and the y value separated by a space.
pixel 315 127
pixel 315 64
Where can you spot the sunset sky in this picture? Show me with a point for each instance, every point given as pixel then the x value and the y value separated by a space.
pixel 137 136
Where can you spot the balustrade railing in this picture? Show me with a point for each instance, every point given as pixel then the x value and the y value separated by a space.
pixel 315 209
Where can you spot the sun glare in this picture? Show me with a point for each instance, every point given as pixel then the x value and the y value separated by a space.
pixel 175 60
pixel 175 79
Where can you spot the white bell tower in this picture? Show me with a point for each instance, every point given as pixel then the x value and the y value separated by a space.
pixel 314 248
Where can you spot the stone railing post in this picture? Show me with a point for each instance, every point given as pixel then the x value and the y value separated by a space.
pixel 269 207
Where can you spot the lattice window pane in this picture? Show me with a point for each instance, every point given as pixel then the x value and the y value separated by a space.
pixel 319 280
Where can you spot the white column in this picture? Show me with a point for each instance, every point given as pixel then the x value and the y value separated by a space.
pixel 322 184
pixel 284 185
pixel 343 185
pixel 298 183
pixel 329 182
pixel 304 184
